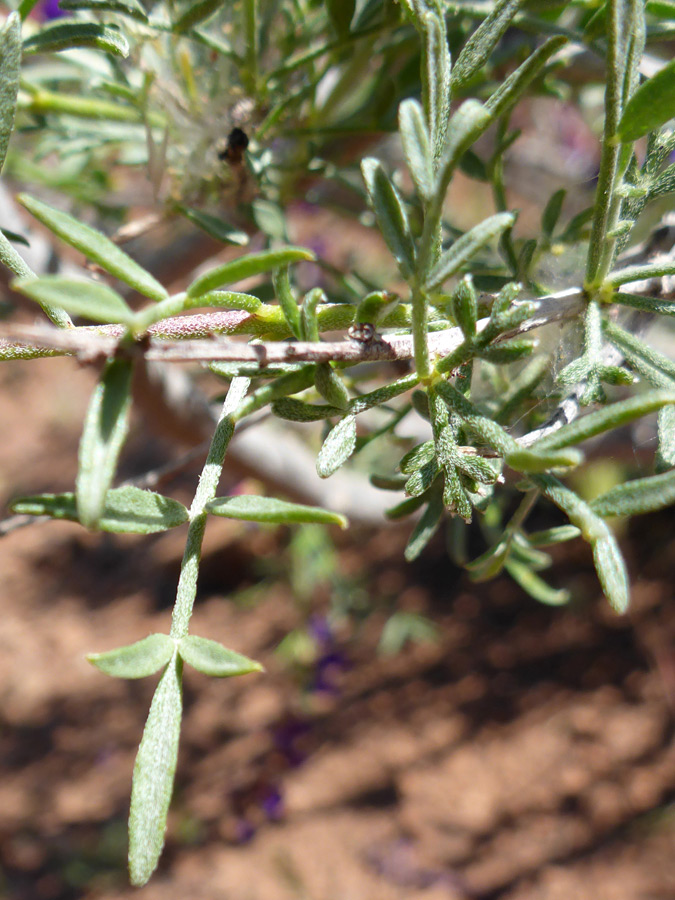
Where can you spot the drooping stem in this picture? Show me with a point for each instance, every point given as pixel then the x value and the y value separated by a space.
pixel 206 491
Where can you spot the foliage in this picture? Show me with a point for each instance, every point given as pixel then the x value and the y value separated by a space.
pixel 141 95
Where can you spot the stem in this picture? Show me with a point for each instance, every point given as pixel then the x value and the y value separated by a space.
pixel 607 204
pixel 206 491
pixel 419 333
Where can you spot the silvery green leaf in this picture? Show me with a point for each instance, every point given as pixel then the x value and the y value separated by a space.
pixel 609 563
pixel 105 428
pixel 154 772
pixel 270 510
pixel 391 215
pixel 466 125
pixel 215 227
pixel 436 78
pixel 641 273
pixel 246 267
pixel 467 246
pixel 127 510
pixel 422 478
pixel 666 434
pixel 195 13
pixel 68 35
pixel 338 447
pixel 490 563
pixel 212 658
pixel 556 535
pixel 425 529
pixel 416 146
pixel 89 299
pixel 123 7
pixel 417 457
pixel 508 351
pixel 535 586
pixel 659 305
pixel 643 495
pixel 95 246
pixel 298 411
pixel 136 660
pixel 476 52
pixel 330 386
pixel 612 416
pixel 455 494
pixel 10 65
pixel 513 87
pixel 465 306
pixel 287 300
pixel 651 106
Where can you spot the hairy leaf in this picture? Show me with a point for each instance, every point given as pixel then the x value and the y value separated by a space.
pixel 483 41
pixel 270 510
pixel 68 35
pixel 467 246
pixel 652 104
pixel 215 227
pixel 246 267
pixel 123 7
pixel 512 88
pixel 391 215
pixel 644 495
pixel 10 65
pixel 416 146
pixel 136 660
pixel 338 447
pixel 89 299
pixel 212 658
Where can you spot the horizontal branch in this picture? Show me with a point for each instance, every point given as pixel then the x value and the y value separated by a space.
pixel 31 341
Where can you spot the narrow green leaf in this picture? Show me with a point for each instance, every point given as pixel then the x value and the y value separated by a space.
pixel 606 554
pixel 467 246
pixel 105 429
pixel 127 510
pixel 483 41
pixel 215 227
pixel 154 772
pixel 512 88
pixel 612 416
pixel 425 529
pixel 287 301
pixel 330 386
pixel 89 299
pixel 416 146
pixel 67 35
pixel 95 246
pixel 465 306
pixel 338 447
pixel 436 77
pixel 467 124
pixel 10 66
pixel 535 586
pixel 644 495
pixel 659 305
pixel 391 215
pixel 640 273
pixel 16 264
pixel 298 411
pixel 269 510
pixel 246 267
pixel 402 627
pixel 196 13
pixel 490 563
pixel 136 660
pixel 652 104
pixel 123 7
pixel 417 457
pixel 551 213
pixel 212 658
pixel 556 535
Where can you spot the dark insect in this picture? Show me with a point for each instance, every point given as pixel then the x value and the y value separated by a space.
pixel 237 142
pixel 363 332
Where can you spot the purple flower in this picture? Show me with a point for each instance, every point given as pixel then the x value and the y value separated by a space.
pixel 273 804
pixel 50 9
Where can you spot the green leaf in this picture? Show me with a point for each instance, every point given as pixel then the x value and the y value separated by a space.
pixel 551 213
pixel 136 660
pixel 606 554
pixel 556 535
pixel 391 215
pixel 605 419
pixel 67 35
pixel 341 13
pixel 652 104
pixel 425 529
pixel 535 586
pixel 417 457
pixel 196 13
pixel 123 7
pixel 246 267
pixel 287 301
pixel 659 305
pixel 215 227
pixel 490 563
pixel 416 146
pixel 467 246
pixel 253 508
pixel 105 429
pixel 483 41
pixel 10 66
pixel 330 386
pixel 640 273
pixel 338 447
pixel 127 510
pixel 89 299
pixel 465 127
pixel 211 658
pixel 154 772
pixel 513 87
pixel 436 78
pixel 95 246
pixel 402 627
pixel 298 411
pixel 644 495
pixel 465 306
